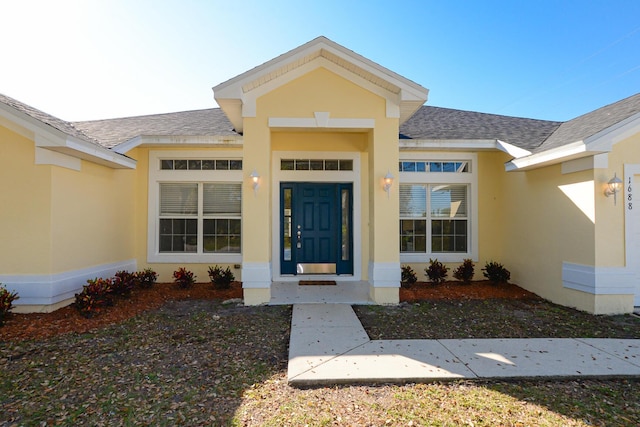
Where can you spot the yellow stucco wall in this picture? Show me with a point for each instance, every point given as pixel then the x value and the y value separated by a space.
pixel 92 212
pixel 549 218
pixel 25 217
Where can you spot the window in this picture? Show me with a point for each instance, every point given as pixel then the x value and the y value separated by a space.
pixel 181 214
pixel 316 165
pixel 201 164
pixel 195 206
pixel 433 218
pixel 438 207
pixel 433 166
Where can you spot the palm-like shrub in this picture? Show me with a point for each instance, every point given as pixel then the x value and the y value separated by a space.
pixel 465 271
pixel 437 271
pixel 6 302
pixel 183 277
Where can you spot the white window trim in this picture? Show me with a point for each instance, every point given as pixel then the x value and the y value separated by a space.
pixel 470 178
pixel 352 176
pixel 157 176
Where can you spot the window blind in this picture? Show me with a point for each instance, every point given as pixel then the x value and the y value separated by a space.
pixel 413 201
pixel 178 199
pixel 222 199
pixel 449 201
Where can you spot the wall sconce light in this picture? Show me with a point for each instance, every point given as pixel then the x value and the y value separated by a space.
pixel 613 187
pixel 388 181
pixel 255 181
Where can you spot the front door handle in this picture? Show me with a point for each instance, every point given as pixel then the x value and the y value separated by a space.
pixel 299 234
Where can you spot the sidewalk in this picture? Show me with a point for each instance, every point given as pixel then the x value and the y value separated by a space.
pixel 329 346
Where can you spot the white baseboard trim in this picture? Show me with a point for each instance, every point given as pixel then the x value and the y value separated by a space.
pixel 50 289
pixel 598 280
pixel 384 274
pixel 256 275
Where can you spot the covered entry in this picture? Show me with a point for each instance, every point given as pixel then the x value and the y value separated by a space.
pixel 316 231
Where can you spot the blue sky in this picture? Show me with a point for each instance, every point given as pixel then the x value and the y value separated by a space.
pixel 93 59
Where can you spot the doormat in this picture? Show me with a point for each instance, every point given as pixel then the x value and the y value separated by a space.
pixel 317 282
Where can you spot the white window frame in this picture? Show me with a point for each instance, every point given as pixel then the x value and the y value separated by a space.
pixel 424 178
pixel 158 176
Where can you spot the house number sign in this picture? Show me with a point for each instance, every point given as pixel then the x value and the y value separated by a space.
pixel 630 194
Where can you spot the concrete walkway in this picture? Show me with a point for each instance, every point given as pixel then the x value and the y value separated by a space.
pixel 329 346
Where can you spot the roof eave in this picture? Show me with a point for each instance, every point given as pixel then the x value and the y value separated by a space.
pixel 47 137
pixel 229 141
pixel 571 151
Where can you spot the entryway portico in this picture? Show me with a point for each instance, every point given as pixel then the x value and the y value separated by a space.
pixel 320 128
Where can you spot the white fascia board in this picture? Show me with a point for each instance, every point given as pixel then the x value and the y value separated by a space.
pixel 100 154
pixel 549 157
pixel 86 151
pixel 511 149
pixel 179 141
pixel 607 138
pixel 448 144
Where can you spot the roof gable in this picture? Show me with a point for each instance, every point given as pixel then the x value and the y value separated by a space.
pixel 238 95
pixel 591 124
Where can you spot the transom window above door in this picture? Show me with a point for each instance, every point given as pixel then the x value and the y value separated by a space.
pixel 316 164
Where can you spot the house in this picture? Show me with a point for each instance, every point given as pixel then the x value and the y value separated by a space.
pixel 322 164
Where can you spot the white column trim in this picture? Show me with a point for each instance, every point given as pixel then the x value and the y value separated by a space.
pixel 384 274
pixel 256 275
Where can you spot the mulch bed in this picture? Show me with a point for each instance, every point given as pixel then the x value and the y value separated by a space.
pixel 20 327
pixel 454 290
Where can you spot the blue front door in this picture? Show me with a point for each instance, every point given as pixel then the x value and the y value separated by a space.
pixel 316 232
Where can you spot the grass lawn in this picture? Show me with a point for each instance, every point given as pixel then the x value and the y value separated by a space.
pixel 204 363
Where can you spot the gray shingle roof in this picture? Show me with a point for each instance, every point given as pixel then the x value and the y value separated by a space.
pixel 63 126
pixel 111 132
pixel 448 124
pixel 433 123
pixel 591 123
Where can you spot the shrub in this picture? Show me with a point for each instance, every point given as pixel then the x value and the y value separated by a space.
pixel 183 277
pixel 146 278
pixel 6 302
pixel 123 283
pixel 465 271
pixel 94 297
pixel 436 272
pixel 408 275
pixel 496 273
pixel 221 278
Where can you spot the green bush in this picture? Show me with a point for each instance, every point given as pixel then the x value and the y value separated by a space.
pixel 496 273
pixel 465 271
pixel 183 278
pixel 436 272
pixel 6 302
pixel 95 296
pixel 408 276
pixel 221 278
